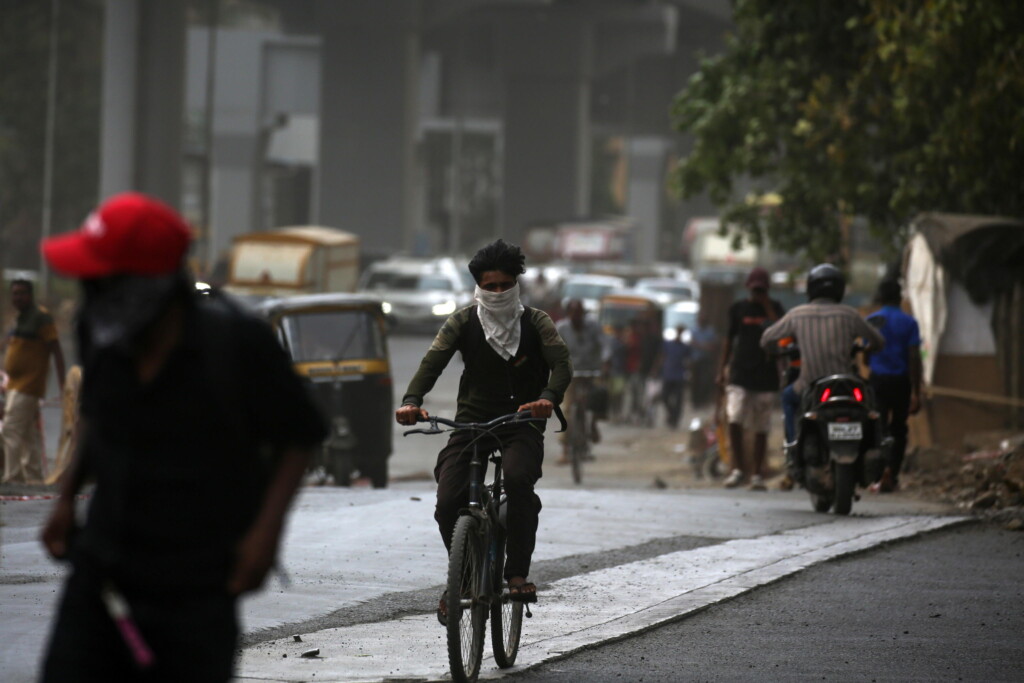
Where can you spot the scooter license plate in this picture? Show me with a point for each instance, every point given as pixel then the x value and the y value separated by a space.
pixel 844 431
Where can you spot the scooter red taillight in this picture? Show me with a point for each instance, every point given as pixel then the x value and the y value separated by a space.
pixel 858 394
pixel 825 394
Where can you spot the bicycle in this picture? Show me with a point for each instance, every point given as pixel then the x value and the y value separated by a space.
pixel 475 588
pixel 582 421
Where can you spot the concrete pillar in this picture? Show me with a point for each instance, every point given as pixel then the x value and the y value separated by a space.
pixel 367 121
pixel 646 193
pixel 141 138
pixel 545 59
pixel 117 128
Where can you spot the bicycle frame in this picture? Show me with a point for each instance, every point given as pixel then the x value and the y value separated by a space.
pixel 474 590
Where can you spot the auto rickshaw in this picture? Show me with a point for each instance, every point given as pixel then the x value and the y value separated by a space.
pixel 620 307
pixel 339 343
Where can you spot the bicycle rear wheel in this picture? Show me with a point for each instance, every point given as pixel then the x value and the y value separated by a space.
pixel 467 613
pixel 506 619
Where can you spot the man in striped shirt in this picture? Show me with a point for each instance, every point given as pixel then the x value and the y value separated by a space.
pixel 825 331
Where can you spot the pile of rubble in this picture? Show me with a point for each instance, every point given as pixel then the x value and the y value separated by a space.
pixel 987 478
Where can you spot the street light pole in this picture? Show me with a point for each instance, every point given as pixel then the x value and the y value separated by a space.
pixel 48 149
pixel 206 261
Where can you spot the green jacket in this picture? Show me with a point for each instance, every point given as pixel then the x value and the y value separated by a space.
pixel 491 386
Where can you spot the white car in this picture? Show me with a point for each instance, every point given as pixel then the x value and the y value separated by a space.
pixel 418 294
pixel 589 289
pixel 670 289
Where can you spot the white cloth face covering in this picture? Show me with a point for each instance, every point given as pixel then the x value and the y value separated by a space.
pixel 499 316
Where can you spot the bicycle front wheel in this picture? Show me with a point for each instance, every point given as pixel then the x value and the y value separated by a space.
pixel 467 612
pixel 506 620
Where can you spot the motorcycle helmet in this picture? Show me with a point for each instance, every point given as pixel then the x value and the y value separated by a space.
pixel 825 281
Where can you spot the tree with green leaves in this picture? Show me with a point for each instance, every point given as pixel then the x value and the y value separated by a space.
pixel 874 108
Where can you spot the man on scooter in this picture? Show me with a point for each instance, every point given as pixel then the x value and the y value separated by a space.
pixel 825 331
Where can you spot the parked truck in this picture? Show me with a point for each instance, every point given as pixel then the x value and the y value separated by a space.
pixel 293 260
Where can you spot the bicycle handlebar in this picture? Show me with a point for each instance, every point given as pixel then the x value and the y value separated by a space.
pixel 523 416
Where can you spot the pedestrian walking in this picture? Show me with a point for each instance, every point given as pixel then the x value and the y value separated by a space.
pixel 28 347
pixel 196 431
pixel 750 378
pixel 704 343
pixel 895 375
pixel 589 354
pixel 643 347
pixel 617 372
pixel 675 364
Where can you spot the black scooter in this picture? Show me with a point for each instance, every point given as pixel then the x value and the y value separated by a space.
pixel 839 442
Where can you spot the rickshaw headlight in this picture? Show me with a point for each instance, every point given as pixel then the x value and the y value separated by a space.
pixel 385 307
pixel 446 308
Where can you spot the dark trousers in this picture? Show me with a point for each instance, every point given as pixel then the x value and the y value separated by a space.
pixel 192 637
pixel 790 408
pixel 522 456
pixel 672 395
pixel 892 394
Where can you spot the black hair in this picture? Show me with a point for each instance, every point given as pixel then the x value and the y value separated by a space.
pixel 24 283
pixel 498 255
pixel 889 292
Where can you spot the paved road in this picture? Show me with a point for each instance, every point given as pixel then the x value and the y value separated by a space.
pixel 614 556
pixel 944 607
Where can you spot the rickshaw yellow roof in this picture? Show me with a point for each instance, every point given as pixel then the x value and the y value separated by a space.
pixel 309 234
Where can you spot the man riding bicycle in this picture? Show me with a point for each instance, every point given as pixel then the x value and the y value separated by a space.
pixel 514 361
pixel 590 354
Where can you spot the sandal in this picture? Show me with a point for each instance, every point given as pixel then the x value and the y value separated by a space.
pixel 522 592
pixel 442 609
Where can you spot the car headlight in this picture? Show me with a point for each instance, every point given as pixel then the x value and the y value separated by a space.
pixel 385 307
pixel 446 308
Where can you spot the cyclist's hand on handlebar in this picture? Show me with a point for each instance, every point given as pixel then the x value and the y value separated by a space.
pixel 410 414
pixel 539 408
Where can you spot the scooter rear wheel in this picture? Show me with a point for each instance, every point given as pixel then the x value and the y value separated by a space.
pixel 844 489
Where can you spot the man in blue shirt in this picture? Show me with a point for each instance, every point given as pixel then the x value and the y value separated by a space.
pixel 675 361
pixel 895 375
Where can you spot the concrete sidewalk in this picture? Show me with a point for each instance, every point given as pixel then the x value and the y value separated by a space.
pixel 581 611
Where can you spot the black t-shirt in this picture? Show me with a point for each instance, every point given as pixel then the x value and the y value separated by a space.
pixel 181 462
pixel 749 366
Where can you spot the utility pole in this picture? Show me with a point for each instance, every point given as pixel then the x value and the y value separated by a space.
pixel 48 146
pixel 208 256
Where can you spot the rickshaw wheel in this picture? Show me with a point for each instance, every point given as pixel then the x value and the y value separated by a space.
pixel 377 471
pixel 341 466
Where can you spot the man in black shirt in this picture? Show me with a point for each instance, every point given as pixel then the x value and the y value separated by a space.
pixel 750 378
pixel 196 431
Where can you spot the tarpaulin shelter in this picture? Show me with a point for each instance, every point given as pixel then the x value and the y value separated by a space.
pixel 964 279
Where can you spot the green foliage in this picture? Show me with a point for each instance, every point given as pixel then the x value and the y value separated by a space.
pixel 875 108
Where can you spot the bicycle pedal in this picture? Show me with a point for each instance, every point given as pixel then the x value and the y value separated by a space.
pixel 529 614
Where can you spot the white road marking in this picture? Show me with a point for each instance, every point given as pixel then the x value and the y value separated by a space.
pixel 583 610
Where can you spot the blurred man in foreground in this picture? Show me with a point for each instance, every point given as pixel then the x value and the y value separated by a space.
pixel 197 433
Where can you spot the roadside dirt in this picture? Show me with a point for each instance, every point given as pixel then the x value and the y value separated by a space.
pixel 984 478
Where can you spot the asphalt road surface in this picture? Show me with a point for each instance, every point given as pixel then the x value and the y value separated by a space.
pixel 943 607
pixel 644 573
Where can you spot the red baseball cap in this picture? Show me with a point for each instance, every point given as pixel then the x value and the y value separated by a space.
pixel 129 234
